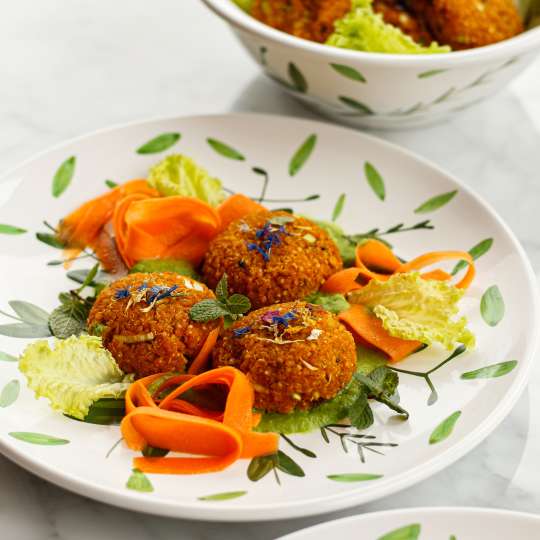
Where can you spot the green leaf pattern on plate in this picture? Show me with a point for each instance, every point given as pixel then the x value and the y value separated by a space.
pixel 6 357
pixel 225 150
pixel 375 180
pixel 37 438
pixel 63 176
pixel 226 496
pixel 11 229
pixel 338 208
pixel 409 532
pixel 435 202
pixel 492 306
pixel 302 155
pixel 475 252
pixel 353 477
pixel 159 144
pixel 492 371
pixel 138 481
pixel 444 429
pixel 9 393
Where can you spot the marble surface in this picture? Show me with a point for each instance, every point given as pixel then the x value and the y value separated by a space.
pixel 72 66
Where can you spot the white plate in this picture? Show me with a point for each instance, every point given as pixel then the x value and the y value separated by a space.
pixel 428 524
pixel 335 166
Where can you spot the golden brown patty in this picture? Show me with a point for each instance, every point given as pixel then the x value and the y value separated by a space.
pixel 301 257
pixel 464 24
pixel 308 19
pixel 148 337
pixel 295 355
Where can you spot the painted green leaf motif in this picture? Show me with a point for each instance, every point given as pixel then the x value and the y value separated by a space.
pixel 361 108
pixel 431 73
pixel 63 176
pixel 492 371
pixel 453 537
pixel 225 150
pixel 226 496
pixel 435 202
pixel 50 240
pixel 375 180
pixel 28 312
pixel 5 357
pixel 111 184
pixel 288 465
pixel 338 208
pixel 25 330
pixel 37 438
pixel 302 154
pixel 349 72
pixel 444 429
pixel 259 467
pixel 138 481
pixel 10 229
pixel 159 144
pixel 475 252
pixel 492 306
pixel 298 80
pixel 409 532
pixel 354 477
pixel 9 393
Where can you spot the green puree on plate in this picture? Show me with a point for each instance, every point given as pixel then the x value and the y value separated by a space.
pixel 364 30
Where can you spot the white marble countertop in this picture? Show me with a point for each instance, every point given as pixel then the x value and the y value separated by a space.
pixel 71 66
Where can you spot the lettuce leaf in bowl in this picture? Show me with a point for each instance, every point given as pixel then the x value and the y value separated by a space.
pixel 180 175
pixel 73 375
pixel 417 309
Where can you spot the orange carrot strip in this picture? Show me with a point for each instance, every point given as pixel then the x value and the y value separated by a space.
pixel 377 257
pixel 437 256
pixel 368 327
pixel 236 207
pixel 342 282
pixel 201 359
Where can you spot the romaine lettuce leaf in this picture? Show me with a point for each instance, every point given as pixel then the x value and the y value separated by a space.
pixel 73 375
pixel 180 175
pixel 417 309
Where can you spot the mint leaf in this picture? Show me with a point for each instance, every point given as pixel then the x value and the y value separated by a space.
pixel 208 310
pixel 222 289
pixel 360 414
pixel 238 304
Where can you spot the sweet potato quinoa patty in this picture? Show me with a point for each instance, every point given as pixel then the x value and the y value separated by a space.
pixel 295 355
pixel 144 322
pixel 272 257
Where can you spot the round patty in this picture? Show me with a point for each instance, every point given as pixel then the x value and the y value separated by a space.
pixel 295 355
pixel 272 257
pixel 144 322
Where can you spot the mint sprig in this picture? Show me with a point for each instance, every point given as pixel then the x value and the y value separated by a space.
pixel 233 306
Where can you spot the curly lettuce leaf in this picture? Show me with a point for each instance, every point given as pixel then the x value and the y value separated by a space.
pixel 417 309
pixel 364 30
pixel 73 375
pixel 180 175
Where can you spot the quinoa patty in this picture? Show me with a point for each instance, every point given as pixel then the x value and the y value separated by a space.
pixel 272 257
pixel 149 330
pixel 295 355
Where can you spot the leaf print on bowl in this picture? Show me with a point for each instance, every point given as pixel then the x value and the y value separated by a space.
pixel 226 496
pixel 353 477
pixel 492 371
pixel 349 72
pixel 159 144
pixel 10 393
pixel 298 81
pixel 431 73
pixel 37 438
pixel 492 306
pixel 409 532
pixel 338 208
pixel 436 202
pixel 63 176
pixel 11 229
pixel 475 252
pixel 6 357
pixel 225 150
pixel 361 109
pixel 302 155
pixel 444 429
pixel 375 180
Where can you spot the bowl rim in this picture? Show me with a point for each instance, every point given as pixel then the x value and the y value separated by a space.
pixel 524 42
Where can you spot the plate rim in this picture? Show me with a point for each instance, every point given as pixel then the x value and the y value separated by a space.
pixel 316 505
pixel 425 510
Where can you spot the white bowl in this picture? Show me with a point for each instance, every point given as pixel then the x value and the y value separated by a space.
pixel 392 91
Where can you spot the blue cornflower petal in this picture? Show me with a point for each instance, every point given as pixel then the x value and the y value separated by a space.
pixel 239 332
pixel 122 293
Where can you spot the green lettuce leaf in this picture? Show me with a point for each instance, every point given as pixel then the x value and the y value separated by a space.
pixel 246 5
pixel 364 30
pixel 179 266
pixel 345 244
pixel 417 309
pixel 180 175
pixel 73 375
pixel 334 303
